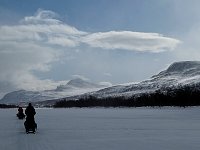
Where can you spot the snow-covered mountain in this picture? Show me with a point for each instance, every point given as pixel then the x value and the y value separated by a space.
pixel 78 84
pixel 176 75
pixel 73 87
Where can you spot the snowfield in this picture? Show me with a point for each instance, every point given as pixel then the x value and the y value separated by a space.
pixel 104 129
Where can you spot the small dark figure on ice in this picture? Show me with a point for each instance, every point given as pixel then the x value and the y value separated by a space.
pixel 20 113
pixel 30 124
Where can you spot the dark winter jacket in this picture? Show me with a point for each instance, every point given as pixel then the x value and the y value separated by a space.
pixel 30 111
pixel 20 110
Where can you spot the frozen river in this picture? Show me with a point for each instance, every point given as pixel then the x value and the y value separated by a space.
pixel 104 129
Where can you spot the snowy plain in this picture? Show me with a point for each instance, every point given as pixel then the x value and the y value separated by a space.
pixel 104 129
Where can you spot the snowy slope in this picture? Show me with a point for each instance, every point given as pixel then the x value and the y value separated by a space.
pixel 73 87
pixel 176 75
pixel 104 129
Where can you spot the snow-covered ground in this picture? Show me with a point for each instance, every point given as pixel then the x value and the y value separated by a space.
pixel 104 129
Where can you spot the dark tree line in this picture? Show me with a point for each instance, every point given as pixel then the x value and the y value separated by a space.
pixel 7 106
pixel 184 96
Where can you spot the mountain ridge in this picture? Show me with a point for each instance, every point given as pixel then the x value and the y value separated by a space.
pixel 176 76
pixel 73 87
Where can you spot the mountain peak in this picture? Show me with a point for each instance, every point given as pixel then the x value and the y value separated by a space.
pixel 81 83
pixel 181 69
pixel 183 66
pixel 76 81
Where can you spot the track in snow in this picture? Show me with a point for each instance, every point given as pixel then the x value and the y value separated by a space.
pixel 104 129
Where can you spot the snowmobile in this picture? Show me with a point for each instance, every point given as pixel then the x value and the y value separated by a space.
pixel 30 126
pixel 20 115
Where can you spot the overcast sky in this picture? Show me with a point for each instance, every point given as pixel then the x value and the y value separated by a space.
pixel 46 43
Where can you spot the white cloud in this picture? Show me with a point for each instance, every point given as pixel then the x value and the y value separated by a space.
pixel 30 82
pixel 30 45
pixel 63 41
pixel 106 84
pixel 42 16
pixel 128 40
